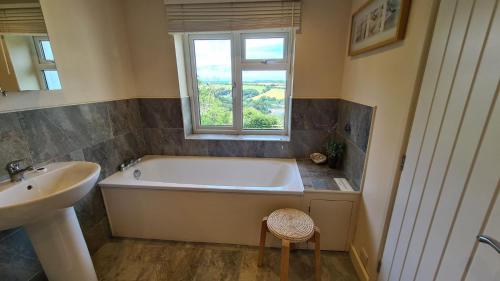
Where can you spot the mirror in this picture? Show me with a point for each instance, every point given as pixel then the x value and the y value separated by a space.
pixel 27 62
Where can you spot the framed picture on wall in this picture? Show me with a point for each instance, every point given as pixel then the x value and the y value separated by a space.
pixel 378 23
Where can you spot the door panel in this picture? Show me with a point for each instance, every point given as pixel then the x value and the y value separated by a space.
pixel 467 143
pixel 452 157
pixel 436 55
pixel 451 124
pixel 428 154
pixel 480 190
pixel 486 261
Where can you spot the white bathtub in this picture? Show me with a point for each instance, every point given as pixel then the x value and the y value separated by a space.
pixel 218 200
pixel 236 174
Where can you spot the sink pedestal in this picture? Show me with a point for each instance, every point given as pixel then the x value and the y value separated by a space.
pixel 60 247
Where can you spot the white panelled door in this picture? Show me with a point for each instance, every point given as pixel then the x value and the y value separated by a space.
pixel 485 265
pixel 449 185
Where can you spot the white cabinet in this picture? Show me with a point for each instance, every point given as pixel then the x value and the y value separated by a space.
pixel 333 217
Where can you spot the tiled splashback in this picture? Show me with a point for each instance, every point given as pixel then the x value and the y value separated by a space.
pixel 354 122
pixel 106 133
pixel 110 132
pixel 313 123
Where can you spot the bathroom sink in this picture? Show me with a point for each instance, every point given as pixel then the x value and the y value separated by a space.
pixel 60 186
pixel 42 203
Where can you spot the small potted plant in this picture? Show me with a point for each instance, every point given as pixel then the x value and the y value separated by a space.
pixel 334 150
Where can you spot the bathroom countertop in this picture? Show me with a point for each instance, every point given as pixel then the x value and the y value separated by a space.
pixel 318 177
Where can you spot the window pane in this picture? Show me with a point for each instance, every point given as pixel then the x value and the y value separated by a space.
pixel 47 50
pixel 213 72
pixel 264 48
pixel 52 79
pixel 264 99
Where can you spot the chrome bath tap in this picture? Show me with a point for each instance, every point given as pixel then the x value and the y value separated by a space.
pixel 129 163
pixel 16 173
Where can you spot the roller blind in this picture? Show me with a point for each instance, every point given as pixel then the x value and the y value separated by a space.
pixel 22 20
pixel 223 15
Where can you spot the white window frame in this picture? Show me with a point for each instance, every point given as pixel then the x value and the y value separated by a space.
pixel 42 64
pixel 239 64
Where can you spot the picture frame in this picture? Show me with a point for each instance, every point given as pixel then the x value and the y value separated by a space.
pixel 378 23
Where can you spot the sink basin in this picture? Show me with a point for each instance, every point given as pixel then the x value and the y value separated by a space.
pixel 60 186
pixel 43 204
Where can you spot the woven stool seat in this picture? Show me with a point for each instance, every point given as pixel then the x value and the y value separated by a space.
pixel 291 224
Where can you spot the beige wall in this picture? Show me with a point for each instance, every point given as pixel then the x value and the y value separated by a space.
pixel 153 51
pixel 106 51
pixel 320 49
pixel 386 78
pixel 92 55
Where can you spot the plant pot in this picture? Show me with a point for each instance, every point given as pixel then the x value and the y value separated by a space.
pixel 334 162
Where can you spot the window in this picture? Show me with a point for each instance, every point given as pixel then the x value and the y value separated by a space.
pixel 240 81
pixel 48 75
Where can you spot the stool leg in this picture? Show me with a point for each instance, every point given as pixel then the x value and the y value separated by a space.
pixel 317 253
pixel 285 253
pixel 263 232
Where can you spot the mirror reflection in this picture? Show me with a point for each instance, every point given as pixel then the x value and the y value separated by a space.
pixel 27 62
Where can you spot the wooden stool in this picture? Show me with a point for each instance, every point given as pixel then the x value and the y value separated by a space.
pixel 291 226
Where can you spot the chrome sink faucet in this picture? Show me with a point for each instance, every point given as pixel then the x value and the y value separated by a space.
pixel 16 173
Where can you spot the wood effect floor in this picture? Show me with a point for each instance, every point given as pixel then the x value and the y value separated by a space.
pixel 153 260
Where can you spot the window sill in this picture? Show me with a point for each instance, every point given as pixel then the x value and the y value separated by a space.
pixel 238 137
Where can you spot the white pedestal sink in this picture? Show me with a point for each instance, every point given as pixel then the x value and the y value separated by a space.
pixel 43 204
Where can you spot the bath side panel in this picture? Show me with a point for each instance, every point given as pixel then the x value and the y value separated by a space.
pixel 195 216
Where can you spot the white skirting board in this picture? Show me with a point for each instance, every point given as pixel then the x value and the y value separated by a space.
pixel 358 265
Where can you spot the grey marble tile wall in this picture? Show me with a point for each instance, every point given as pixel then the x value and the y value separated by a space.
pixel 313 123
pixel 106 133
pixel 354 122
